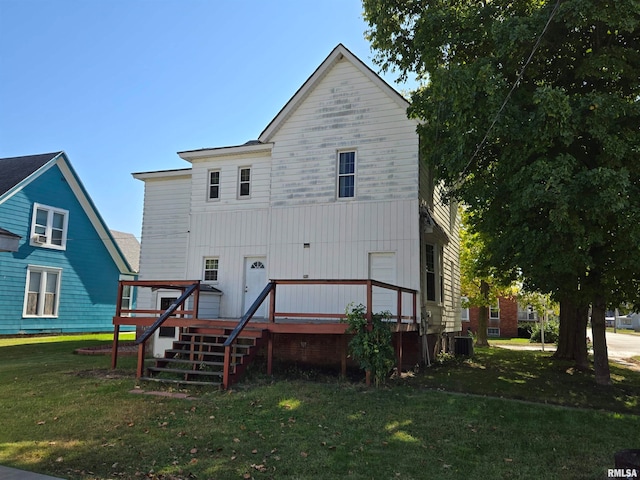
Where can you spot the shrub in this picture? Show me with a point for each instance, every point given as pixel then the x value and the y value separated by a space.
pixel 371 347
pixel 524 329
pixel 551 332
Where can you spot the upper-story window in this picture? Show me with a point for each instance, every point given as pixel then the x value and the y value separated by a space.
pixel 214 185
pixel 49 227
pixel 494 311
pixel 244 182
pixel 346 174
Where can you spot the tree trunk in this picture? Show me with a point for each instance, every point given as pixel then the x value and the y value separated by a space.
pixel 483 316
pixel 567 336
pixel 599 338
pixel 580 355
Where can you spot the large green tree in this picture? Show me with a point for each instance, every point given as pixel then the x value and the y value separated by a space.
pixel 531 117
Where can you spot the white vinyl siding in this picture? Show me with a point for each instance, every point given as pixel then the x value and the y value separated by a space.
pixel 49 227
pixel 42 293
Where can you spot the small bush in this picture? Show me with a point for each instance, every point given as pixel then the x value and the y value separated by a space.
pixel 371 348
pixel 551 332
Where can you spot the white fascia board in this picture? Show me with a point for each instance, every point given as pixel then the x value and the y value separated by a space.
pixel 162 174
pixel 206 153
pixel 19 186
pixel 92 213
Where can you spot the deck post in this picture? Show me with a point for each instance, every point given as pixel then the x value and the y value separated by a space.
pixel 415 308
pixel 140 367
pixel 269 353
pixel 399 353
pixel 114 348
pixel 272 304
pixel 227 367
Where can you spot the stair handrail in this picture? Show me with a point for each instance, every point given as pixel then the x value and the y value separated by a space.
pixel 167 313
pixel 249 314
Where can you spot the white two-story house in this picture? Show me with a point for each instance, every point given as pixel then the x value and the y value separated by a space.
pixel 333 188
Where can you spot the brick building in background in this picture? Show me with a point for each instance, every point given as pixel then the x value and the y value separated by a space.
pixel 503 318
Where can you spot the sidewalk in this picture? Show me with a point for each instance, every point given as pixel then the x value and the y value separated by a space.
pixel 8 473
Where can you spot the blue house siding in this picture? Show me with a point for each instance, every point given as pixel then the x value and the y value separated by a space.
pixel 89 276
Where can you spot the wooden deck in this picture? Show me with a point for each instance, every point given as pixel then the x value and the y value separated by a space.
pixel 276 322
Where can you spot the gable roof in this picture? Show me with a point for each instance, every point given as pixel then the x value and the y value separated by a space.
pixel 338 53
pixel 21 171
pixel 129 246
pixel 17 169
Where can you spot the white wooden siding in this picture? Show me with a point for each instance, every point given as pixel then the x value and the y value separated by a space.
pixel 346 110
pixel 165 223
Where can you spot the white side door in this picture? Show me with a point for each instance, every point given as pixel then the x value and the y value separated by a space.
pixel 255 279
pixel 382 267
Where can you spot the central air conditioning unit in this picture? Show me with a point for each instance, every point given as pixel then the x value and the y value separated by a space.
pixel 39 239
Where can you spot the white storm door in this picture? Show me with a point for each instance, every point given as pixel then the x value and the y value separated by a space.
pixel 382 267
pixel 255 278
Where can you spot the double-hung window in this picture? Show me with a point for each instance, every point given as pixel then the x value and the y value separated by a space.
pixel 244 182
pixel 346 174
pixel 210 270
pixel 49 227
pixel 494 311
pixel 42 294
pixel 214 185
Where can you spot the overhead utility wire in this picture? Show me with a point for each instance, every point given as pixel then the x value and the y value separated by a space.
pixel 508 97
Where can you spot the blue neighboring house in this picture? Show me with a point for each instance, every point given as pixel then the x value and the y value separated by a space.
pixel 59 263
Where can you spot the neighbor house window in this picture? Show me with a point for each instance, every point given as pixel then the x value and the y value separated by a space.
pixel 214 185
pixel 493 332
pixel 210 270
pixel 464 311
pixel 42 294
pixel 49 227
pixel 244 182
pixel 346 174
pixel 494 311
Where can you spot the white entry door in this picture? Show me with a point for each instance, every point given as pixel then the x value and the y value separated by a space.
pixel 382 267
pixel 255 279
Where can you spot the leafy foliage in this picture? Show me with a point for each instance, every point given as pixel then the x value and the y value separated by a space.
pixel 531 118
pixel 551 332
pixel 371 343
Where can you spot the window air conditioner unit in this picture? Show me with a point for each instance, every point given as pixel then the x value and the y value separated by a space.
pixel 39 239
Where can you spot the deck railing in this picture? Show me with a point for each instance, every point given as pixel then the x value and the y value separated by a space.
pixel 178 315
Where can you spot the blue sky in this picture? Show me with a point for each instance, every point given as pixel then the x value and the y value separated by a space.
pixel 122 85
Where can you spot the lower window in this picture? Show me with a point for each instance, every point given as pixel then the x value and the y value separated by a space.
pixel 493 332
pixel 42 295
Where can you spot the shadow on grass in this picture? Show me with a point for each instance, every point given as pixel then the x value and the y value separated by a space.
pixel 535 377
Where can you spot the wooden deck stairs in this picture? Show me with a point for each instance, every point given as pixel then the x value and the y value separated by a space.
pixel 197 357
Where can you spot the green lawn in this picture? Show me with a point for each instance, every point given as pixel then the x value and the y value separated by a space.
pixel 70 416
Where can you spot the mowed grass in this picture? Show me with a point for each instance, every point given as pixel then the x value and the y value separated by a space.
pixel 71 416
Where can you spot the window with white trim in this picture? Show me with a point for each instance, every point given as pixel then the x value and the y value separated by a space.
pixel 244 182
pixel 42 292
pixel 494 311
pixel 346 174
pixel 49 227
pixel 493 332
pixel 214 185
pixel 210 270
